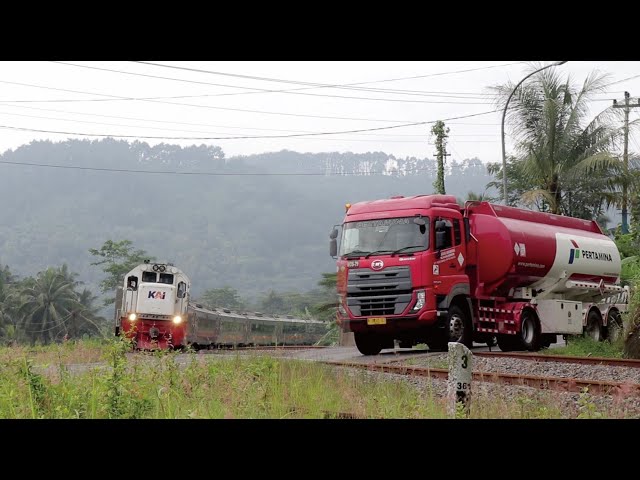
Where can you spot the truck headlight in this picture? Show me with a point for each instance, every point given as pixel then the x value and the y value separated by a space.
pixel 132 316
pixel 177 319
pixel 421 298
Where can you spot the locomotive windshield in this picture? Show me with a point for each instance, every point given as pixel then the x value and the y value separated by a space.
pixel 389 235
pixel 152 277
pixel 149 277
pixel 166 278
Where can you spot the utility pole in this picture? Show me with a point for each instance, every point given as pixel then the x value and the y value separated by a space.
pixel 440 133
pixel 625 157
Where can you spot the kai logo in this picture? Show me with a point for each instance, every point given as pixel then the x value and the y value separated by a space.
pixel 577 252
pixel 157 295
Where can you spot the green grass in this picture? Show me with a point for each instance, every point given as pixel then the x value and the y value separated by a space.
pixel 168 385
pixel 584 346
pixel 73 351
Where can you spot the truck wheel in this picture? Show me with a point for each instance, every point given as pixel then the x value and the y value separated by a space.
pixel 530 331
pixel 459 326
pixel 508 343
pixel 367 343
pixel 594 329
pixel 615 327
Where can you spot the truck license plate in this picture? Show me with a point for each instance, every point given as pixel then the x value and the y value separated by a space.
pixel 376 321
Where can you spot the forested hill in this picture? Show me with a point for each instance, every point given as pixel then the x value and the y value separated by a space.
pixel 234 223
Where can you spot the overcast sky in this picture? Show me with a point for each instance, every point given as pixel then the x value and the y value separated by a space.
pixel 228 99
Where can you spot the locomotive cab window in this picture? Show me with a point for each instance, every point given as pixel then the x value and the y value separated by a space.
pixel 182 289
pixel 149 277
pixel 132 282
pixel 166 278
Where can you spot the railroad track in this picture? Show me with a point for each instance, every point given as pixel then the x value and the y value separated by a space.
pixel 282 347
pixel 270 348
pixel 544 383
pixel 536 357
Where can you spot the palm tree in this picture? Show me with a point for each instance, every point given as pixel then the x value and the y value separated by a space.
pixel 84 317
pixel 47 302
pixel 629 178
pixel 557 148
pixel 6 306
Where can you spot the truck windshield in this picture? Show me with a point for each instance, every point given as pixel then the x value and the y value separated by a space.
pixel 384 236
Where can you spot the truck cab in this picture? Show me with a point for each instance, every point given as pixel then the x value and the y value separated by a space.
pixel 401 265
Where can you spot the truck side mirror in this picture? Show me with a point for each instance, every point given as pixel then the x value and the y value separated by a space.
pixel 440 239
pixel 467 229
pixel 333 243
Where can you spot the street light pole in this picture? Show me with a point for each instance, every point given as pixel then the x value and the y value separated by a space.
pixel 504 114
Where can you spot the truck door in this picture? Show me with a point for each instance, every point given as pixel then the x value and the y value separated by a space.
pixel 450 260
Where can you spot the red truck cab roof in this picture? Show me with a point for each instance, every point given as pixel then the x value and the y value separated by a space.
pixel 403 203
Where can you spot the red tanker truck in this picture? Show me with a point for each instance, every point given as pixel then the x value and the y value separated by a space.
pixel 422 269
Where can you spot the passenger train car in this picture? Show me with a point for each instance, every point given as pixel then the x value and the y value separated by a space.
pixel 153 309
pixel 224 328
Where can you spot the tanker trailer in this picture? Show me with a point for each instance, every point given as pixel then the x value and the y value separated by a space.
pixel 544 275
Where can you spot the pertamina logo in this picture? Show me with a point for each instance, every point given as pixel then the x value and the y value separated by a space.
pixel 157 295
pixel 377 265
pixel 577 252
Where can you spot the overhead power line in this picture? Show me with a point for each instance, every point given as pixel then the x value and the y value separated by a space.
pixel 623 80
pixel 158 121
pixel 157 100
pixel 244 136
pixel 115 98
pixel 210 174
pixel 291 91
pixel 324 85
pixel 153 120
pixel 71 120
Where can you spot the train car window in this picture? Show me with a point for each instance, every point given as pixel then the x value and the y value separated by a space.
pixel 294 328
pixel 132 282
pixel 262 328
pixel 149 277
pixel 166 278
pixel 182 289
pixel 232 326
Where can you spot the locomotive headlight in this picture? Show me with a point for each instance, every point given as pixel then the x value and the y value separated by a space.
pixel 177 319
pixel 421 298
pixel 132 316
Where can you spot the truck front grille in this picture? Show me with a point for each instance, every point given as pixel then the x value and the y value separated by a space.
pixel 384 292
